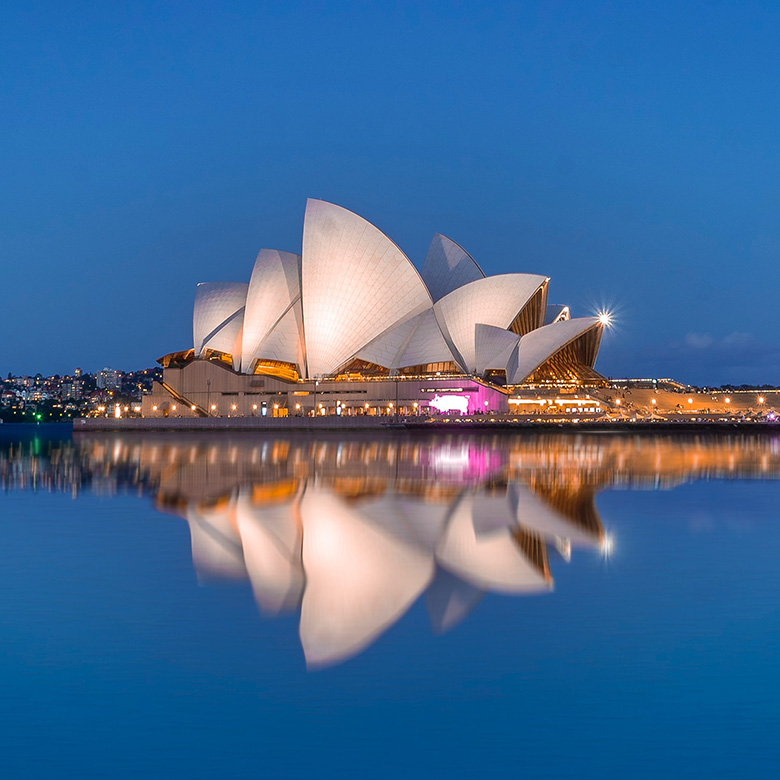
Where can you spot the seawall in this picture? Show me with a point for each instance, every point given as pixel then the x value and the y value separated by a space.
pixel 361 423
pixel 454 425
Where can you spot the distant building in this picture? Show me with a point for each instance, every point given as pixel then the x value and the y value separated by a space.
pixel 109 379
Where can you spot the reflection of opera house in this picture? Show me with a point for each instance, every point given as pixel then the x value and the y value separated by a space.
pixel 350 326
pixel 351 534
pixel 352 530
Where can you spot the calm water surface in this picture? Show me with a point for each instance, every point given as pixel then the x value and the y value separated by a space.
pixel 362 606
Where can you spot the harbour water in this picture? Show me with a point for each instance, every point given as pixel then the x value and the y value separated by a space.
pixel 351 605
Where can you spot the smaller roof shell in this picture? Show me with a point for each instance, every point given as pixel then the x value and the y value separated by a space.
pixel 494 300
pixel 494 347
pixel 218 316
pixel 414 342
pixel 273 287
pixel 538 346
pixel 447 266
pixel 285 341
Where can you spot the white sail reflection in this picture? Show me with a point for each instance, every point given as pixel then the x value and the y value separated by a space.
pixel 352 531
pixel 388 519
pixel 534 513
pixel 450 600
pixel 353 549
pixel 491 559
pixel 271 537
pixel 359 579
pixel 217 551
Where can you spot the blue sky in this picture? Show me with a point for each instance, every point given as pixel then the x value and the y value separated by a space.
pixel 628 150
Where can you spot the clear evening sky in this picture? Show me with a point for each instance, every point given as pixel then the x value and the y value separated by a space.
pixel 628 150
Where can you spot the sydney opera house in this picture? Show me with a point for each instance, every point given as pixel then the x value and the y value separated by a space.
pixel 350 326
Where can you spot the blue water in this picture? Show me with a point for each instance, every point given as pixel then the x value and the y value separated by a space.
pixel 657 656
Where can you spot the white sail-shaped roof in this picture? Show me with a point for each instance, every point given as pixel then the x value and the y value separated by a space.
pixel 218 316
pixel 355 282
pixel 494 300
pixel 359 579
pixel 285 341
pixel 273 288
pixel 353 294
pixel 416 341
pixel 427 344
pixel 387 347
pixel 448 266
pixel 490 560
pixel 494 347
pixel 539 345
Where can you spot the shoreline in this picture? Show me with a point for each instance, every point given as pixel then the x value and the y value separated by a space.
pixel 346 424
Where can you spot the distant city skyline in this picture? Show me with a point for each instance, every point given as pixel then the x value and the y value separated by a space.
pixel 630 152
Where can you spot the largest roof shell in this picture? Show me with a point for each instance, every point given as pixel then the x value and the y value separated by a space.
pixel 355 284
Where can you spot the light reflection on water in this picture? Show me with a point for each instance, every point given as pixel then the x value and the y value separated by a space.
pixel 350 531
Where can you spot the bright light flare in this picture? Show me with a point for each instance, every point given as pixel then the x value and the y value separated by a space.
pixel 608 546
pixel 605 318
